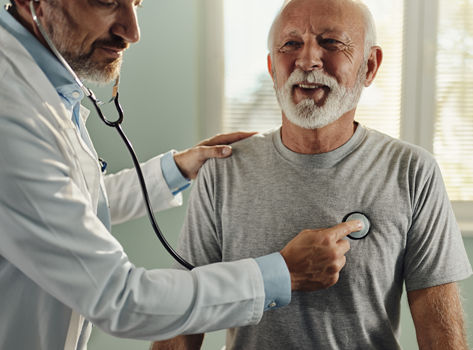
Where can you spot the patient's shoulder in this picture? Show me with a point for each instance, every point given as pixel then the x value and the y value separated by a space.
pixel 246 153
pixel 258 142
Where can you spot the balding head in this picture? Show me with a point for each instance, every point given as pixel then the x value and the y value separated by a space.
pixel 357 7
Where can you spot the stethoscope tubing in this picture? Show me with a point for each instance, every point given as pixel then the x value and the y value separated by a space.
pixel 117 125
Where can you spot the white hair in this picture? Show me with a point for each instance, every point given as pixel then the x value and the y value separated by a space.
pixel 370 27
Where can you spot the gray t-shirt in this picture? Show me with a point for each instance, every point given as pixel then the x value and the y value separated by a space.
pixel 256 201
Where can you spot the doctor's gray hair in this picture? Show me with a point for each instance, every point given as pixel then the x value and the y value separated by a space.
pixel 370 27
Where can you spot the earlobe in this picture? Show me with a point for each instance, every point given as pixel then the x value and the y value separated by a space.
pixel 374 61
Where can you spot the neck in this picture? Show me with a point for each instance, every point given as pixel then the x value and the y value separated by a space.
pixel 316 141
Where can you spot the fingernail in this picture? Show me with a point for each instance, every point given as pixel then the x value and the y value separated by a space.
pixel 226 150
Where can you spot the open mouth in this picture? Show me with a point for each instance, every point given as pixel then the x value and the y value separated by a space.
pixel 310 86
pixel 304 90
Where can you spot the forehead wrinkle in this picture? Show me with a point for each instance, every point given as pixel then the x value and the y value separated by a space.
pixel 295 33
pixel 338 16
pixel 343 17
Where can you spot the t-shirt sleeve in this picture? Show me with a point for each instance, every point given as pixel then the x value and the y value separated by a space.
pixel 435 253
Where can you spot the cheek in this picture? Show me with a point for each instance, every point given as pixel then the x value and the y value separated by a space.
pixel 281 73
pixel 344 72
pixel 343 69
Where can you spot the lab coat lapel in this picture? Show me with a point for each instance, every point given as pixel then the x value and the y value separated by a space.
pixel 72 144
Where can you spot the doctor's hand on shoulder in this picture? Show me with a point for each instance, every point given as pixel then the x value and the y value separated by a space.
pixel 316 257
pixel 190 160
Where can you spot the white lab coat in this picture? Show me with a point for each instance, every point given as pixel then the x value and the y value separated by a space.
pixel 59 264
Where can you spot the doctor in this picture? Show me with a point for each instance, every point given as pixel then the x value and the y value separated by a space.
pixel 60 268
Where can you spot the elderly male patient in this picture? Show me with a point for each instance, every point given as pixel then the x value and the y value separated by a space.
pixel 317 167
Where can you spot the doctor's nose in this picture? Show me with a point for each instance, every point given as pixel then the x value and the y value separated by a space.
pixel 126 25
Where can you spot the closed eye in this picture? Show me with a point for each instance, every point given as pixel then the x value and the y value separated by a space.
pixel 108 4
pixel 291 45
pixel 331 43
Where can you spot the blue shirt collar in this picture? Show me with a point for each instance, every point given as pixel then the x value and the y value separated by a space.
pixel 59 77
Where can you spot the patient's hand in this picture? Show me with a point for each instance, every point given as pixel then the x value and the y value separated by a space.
pixel 315 257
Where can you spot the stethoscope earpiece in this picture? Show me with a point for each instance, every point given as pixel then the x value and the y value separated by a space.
pixel 366 225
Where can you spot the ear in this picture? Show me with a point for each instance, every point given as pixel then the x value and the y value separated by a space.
pixel 374 61
pixel 23 7
pixel 22 13
pixel 270 66
pixel 24 3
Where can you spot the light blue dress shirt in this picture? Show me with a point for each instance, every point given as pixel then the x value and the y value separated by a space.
pixel 273 266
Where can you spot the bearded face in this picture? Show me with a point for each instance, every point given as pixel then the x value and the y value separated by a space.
pixel 310 114
pixel 86 39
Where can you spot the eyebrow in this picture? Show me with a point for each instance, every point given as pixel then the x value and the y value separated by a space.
pixel 328 31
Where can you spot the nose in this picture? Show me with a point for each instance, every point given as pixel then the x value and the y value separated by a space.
pixel 310 57
pixel 126 25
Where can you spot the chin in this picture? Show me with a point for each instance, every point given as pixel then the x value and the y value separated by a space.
pixel 103 74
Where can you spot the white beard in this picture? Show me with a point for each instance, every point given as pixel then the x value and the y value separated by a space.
pixel 306 113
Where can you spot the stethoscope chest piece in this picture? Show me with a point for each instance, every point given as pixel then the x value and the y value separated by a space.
pixel 366 225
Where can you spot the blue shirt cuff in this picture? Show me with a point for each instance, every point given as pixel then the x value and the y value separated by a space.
pixel 172 175
pixel 277 281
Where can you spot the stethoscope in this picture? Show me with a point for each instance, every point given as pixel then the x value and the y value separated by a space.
pixel 115 124
pixel 366 225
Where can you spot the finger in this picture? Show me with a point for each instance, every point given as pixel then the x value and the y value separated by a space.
pixel 225 139
pixel 345 228
pixel 337 265
pixel 344 246
pixel 207 152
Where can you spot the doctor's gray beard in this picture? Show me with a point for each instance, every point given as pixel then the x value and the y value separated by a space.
pixel 59 30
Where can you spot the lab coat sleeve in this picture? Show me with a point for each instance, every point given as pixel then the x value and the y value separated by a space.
pixel 126 198
pixel 51 233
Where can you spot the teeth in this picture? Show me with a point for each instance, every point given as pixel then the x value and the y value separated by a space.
pixel 307 86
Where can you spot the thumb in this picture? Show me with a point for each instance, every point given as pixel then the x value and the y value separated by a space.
pixel 221 151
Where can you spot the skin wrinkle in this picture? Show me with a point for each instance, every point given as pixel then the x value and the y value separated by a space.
pixel 348 50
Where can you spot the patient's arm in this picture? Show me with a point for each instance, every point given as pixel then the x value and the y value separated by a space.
pixel 438 317
pixel 181 342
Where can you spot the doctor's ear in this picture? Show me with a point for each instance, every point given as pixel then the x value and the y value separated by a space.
pixel 23 3
pixel 22 7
